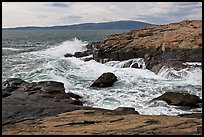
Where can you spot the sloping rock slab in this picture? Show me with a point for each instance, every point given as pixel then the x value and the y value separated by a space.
pixel 97 122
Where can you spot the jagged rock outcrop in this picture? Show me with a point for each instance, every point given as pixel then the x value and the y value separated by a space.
pixel 79 54
pixel 82 54
pixel 105 80
pixel 180 41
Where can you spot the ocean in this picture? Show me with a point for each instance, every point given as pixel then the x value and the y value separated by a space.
pixel 38 55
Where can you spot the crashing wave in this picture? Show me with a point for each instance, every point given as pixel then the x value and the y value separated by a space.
pixel 131 63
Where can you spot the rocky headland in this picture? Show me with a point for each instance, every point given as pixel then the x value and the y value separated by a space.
pixel 45 108
pixel 169 45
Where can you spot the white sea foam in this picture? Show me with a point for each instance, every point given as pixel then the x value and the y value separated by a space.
pixel 69 46
pixel 128 63
pixel 193 63
pixel 12 49
pixel 192 75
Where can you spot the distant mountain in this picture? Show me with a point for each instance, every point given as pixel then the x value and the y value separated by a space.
pixel 116 25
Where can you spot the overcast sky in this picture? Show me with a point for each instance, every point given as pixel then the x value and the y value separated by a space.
pixel 16 14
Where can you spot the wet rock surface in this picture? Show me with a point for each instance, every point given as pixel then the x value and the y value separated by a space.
pixel 105 80
pixel 180 99
pixel 21 100
pixel 125 110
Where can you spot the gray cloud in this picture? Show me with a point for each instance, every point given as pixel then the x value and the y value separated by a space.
pixel 61 4
pixel 187 3
pixel 171 12
pixel 188 6
pixel 71 18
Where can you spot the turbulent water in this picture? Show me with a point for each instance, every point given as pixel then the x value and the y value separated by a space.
pixel 39 55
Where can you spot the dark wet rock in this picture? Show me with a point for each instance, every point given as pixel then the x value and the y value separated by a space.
pixel 5 94
pixel 147 57
pixel 98 54
pixel 179 99
pixel 46 88
pixel 68 55
pixel 126 53
pixel 119 54
pixel 172 59
pixel 105 80
pixel 135 65
pixel 36 99
pixel 50 86
pixel 13 83
pixel 192 115
pixel 73 101
pixel 82 54
pixel 87 58
pixel 10 85
pixel 72 95
pixel 177 65
pixel 125 110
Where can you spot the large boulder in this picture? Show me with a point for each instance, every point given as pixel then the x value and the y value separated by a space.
pixel 105 80
pixel 179 99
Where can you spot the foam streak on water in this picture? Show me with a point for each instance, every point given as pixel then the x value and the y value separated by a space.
pixel 135 87
pixel 11 49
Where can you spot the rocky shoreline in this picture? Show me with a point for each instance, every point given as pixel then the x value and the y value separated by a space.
pixel 45 108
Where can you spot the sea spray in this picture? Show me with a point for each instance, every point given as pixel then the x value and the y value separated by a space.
pixel 139 62
pixel 69 46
